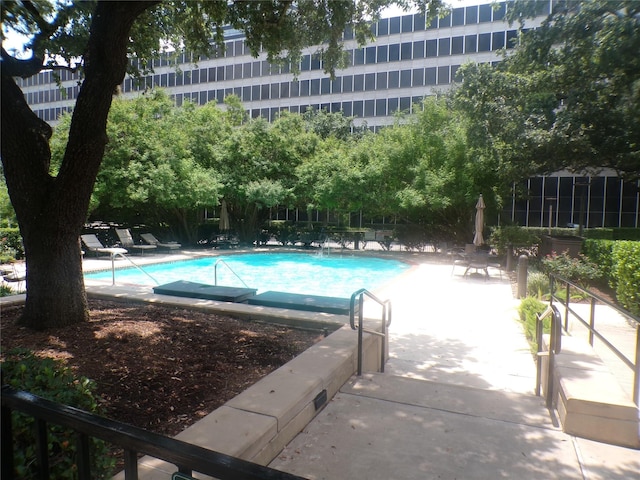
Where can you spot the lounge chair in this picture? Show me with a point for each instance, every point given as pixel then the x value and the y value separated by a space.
pixel 14 275
pixel 127 241
pixel 94 245
pixel 152 240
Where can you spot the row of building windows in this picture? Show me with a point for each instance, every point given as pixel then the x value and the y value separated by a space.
pixel 387 26
pixel 602 201
pixel 369 55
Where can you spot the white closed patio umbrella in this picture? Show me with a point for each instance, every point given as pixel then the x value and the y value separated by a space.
pixel 224 217
pixel 480 206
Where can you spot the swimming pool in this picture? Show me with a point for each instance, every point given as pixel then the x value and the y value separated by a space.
pixel 311 274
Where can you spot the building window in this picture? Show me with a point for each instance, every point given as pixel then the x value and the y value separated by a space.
pixel 305 63
pixel 394 25
pixel 370 55
pixel 315 86
pixel 246 94
pixel 472 15
pixel 418 49
pixel 237 71
pixel 457 17
pixel 325 86
pixel 358 83
pixel 394 52
pixel 347 83
pixel 512 38
pixel 405 51
pixel 393 105
pixel 381 107
pixel 407 23
pixel 383 27
pixel 498 40
pixel 284 90
pixel 394 79
pixel 295 89
pixel 484 42
pixel 304 88
pixel 335 107
pixel 381 80
pixel 228 73
pixel 457 46
pixel 418 22
pixel 405 104
pixel 347 109
pixel 336 85
pixel 444 47
pixel 246 70
pixel 369 108
pixel 383 52
pixel 358 108
pixel 454 73
pixel 358 56
pixel 405 79
pixel 485 13
pixel 445 22
pixel 470 44
pixel 418 77
pixel 369 82
pixel 443 75
pixel 316 64
pixel 499 12
pixel 264 91
pixel 255 93
pixel 432 48
pixel 275 90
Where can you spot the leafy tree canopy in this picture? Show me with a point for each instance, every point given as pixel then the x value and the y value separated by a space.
pixel 567 97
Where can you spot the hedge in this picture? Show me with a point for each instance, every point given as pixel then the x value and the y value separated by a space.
pixel 626 270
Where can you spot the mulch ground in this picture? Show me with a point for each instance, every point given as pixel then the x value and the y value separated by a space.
pixel 161 368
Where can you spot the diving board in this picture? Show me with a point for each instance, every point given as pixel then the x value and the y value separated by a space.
pixel 299 301
pixel 183 288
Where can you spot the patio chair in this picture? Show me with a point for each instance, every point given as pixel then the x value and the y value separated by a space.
pixel 127 241
pixel 152 240
pixel 478 261
pixel 94 245
pixel 15 275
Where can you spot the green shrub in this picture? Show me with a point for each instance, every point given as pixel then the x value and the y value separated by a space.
pixel 599 252
pixel 10 245
pixel 578 270
pixel 626 270
pixel 54 381
pixel 529 308
pixel 502 237
pixel 613 233
pixel 537 284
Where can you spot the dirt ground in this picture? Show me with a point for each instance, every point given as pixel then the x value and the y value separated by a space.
pixel 162 368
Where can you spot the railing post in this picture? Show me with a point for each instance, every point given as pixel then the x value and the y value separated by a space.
pixel 6 443
pixel 523 265
pixel 360 326
pixel 566 308
pixel 42 448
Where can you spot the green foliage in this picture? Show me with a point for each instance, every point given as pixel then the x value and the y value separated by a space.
pixel 7 214
pixel 502 237
pixel 11 247
pixel 528 309
pixel 537 285
pixel 600 252
pixel 626 270
pixel 613 233
pixel 54 381
pixel 578 270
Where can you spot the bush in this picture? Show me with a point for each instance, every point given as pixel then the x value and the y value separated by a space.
pixel 54 381
pixel 502 237
pixel 529 308
pixel 626 270
pixel 600 252
pixel 578 270
pixel 537 285
pixel 10 245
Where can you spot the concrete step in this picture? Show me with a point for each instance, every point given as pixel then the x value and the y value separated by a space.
pixel 491 404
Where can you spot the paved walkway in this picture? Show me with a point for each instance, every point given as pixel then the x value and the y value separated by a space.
pixel 456 401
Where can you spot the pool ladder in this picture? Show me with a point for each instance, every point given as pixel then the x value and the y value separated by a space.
pixel 357 306
pixel 113 267
pixel 215 272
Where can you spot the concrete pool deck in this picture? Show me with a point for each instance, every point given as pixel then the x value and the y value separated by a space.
pixel 456 399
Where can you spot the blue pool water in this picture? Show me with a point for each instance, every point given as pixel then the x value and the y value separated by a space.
pixel 284 272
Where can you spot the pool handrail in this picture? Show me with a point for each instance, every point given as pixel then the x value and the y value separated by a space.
pixel 113 267
pixel 386 321
pixel 215 272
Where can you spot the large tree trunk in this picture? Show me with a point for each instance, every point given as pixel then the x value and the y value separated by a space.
pixel 51 211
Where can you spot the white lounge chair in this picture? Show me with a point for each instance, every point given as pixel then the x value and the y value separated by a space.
pixel 127 241
pixel 152 240
pixel 94 245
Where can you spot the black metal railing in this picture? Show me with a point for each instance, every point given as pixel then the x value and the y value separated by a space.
pixel 555 346
pixel 186 457
pixel 386 321
pixel 590 324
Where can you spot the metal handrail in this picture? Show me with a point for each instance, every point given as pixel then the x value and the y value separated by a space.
pixel 590 325
pixel 215 272
pixel 386 321
pixel 113 267
pixel 555 346
pixel 185 456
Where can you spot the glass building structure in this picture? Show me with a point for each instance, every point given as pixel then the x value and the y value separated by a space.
pixel 407 60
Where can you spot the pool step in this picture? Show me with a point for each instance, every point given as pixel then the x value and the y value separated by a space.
pixel 183 288
pixel 300 301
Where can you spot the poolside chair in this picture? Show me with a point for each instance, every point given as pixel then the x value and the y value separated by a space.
pixel 15 276
pixel 94 245
pixel 152 240
pixel 127 241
